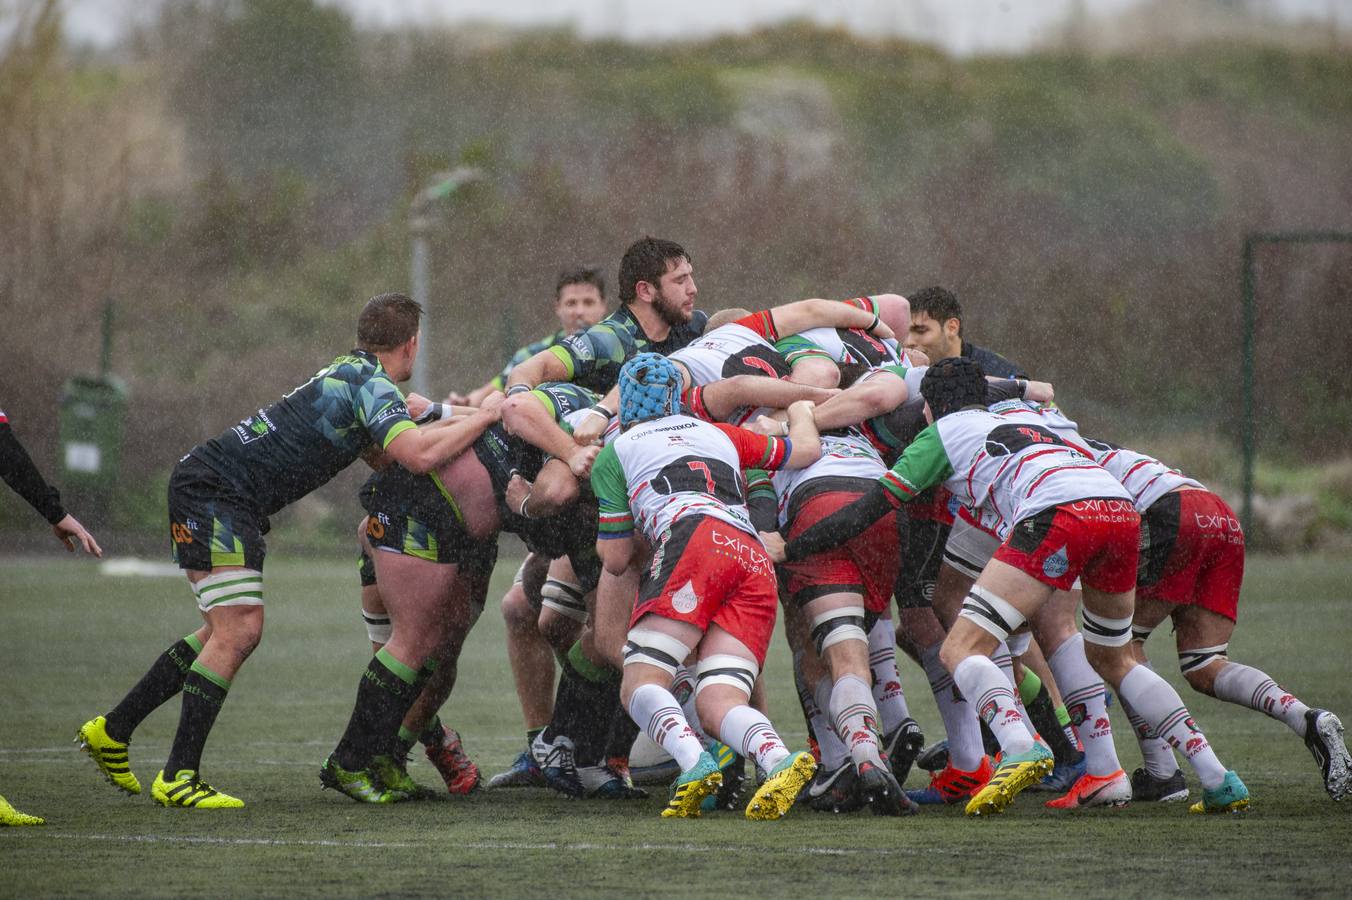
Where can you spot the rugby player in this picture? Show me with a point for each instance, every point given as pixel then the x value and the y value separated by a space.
pixel 710 590
pixel 1192 563
pixel 220 496
pixel 17 471
pixel 1060 517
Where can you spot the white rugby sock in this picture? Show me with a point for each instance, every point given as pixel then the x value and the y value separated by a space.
pixel 856 718
pixel 888 695
pixel 834 751
pixel 1157 755
pixel 1163 711
pixel 683 687
pixel 1086 701
pixel 1004 661
pixel 1246 686
pixel 656 711
pixel 977 677
pixel 966 750
pixel 749 733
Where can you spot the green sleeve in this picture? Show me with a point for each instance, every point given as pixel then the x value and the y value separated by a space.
pixel 796 347
pixel 611 489
pixel 923 465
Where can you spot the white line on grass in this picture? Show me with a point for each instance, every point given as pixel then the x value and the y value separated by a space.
pixel 188 839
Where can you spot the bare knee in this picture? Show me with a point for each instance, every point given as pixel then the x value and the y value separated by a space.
pixel 1111 663
pixel 1203 680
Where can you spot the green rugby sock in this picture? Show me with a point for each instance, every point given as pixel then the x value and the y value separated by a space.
pixel 203 695
pixel 161 682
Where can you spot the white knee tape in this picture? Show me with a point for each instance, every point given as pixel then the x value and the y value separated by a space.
pixel 378 627
pixel 240 587
pixel 565 598
pixel 1106 632
pixel 990 612
pixel 653 648
pixel 836 625
pixel 1191 660
pixel 724 668
pixel 1018 644
pixel 1142 632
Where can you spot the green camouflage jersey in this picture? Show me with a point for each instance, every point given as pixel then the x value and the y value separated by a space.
pixel 594 357
pixel 281 453
pixel 499 381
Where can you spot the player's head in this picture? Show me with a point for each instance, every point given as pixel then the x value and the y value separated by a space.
pixel 650 388
pixel 658 272
pixel 936 323
pixel 388 327
pixel 580 298
pixel 724 316
pixel 952 384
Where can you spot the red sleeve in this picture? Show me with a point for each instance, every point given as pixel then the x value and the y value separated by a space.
pixel 763 323
pixel 694 402
pixel 864 303
pixel 756 451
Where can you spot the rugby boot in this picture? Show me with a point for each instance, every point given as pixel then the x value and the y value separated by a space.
pixel 394 777
pixel 1012 775
pixel 691 787
pixel 1147 788
pixel 523 772
pixel 882 793
pixel 1324 738
pixel 835 790
pixel 733 767
pixel 555 759
pixel 776 796
pixel 1095 790
pixel 1232 796
pixel 190 792
pixel 950 785
pixel 363 785
pixel 109 755
pixel 901 746
pixel 452 762
pixel 934 757
pixel 1062 778
pixel 11 816
pixel 605 783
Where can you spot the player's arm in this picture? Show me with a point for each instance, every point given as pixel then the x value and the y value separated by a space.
pixel 875 395
pixel 615 521
pixel 792 318
pixel 761 501
pixel 923 465
pixel 801 447
pixel 18 471
pixel 547 365
pixel 598 418
pixel 527 417
pixel 553 489
pixel 716 401
pixel 422 449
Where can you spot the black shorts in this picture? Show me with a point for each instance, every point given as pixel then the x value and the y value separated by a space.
pixel 921 555
pixel 409 514
pixel 211 523
pixel 366 569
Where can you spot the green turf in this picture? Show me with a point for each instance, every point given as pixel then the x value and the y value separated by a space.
pixel 71 642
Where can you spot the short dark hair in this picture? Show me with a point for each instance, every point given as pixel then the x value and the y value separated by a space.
pixel 388 321
pixel 952 384
pixel 646 260
pixel 937 303
pixel 585 275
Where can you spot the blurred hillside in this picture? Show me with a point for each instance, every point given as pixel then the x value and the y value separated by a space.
pixel 238 178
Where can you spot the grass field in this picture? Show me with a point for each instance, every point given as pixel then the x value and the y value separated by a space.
pixel 72 641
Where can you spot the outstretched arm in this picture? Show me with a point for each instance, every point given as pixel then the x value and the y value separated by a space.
pixel 792 318
pixel 879 393
pixel 422 449
pixel 718 400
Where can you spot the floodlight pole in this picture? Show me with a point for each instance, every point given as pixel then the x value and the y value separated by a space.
pixel 423 219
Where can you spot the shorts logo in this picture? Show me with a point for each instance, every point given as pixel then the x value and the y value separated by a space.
pixel 181 534
pixel 685 601
pixel 1057 564
pixel 375 528
pixel 253 428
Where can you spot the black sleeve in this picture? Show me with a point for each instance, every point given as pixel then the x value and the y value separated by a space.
pixel 1005 389
pixel 764 509
pixel 841 525
pixel 18 471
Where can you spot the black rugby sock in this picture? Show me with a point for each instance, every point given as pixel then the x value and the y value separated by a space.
pixel 384 695
pixel 1043 716
pixel 163 680
pixel 203 694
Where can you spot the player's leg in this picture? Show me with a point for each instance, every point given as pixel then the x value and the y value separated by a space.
pixel 1042 699
pixel 532 661
pixel 1158 779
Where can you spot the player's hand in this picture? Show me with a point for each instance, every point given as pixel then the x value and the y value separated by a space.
pixel 801 408
pixel 580 460
pixel 518 489
pixel 417 405
pixel 455 398
pixel 71 532
pixel 492 405
pixel 1039 392
pixel 589 430
pixel 774 545
pixel 882 332
pixel 767 425
pixel 915 358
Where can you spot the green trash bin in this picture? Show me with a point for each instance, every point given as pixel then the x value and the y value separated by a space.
pixel 93 410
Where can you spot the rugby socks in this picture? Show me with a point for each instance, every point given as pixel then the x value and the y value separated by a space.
pixel 747 731
pixel 856 718
pixel 1165 715
pixel 387 689
pixel 203 693
pixel 965 749
pixel 683 689
pixel 1157 755
pixel 1087 701
pixel 431 735
pixel 1038 702
pixel 833 749
pixel 597 689
pixel 977 676
pixel 656 711
pixel 888 695
pixel 1004 661
pixel 163 680
pixel 1246 686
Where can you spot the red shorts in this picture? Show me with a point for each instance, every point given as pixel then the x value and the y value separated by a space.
pixel 1192 552
pixel 706 572
pixel 867 564
pixel 1095 539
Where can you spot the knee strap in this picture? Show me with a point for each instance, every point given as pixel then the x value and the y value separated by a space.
pixel 378 627
pixel 1192 660
pixel 1142 632
pixel 565 598
pixel 990 613
pixel 238 587
pixel 724 668
pixel 836 625
pixel 653 648
pixel 1106 632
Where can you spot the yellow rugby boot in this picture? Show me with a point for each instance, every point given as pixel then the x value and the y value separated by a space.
pixel 1012 775
pixel 691 787
pixel 190 792
pixel 776 796
pixel 109 755
pixel 11 816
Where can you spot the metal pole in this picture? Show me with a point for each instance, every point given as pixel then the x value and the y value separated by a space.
pixel 418 284
pixel 106 351
pixel 1246 423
